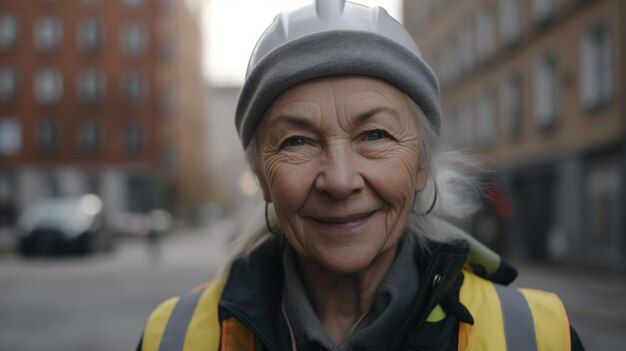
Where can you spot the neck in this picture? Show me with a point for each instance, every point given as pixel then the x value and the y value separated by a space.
pixel 342 299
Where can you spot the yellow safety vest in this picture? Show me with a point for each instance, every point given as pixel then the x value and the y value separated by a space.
pixel 504 319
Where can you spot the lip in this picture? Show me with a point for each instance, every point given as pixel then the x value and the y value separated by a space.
pixel 342 223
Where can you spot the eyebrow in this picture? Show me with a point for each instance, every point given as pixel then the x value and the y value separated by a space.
pixel 290 119
pixel 305 122
pixel 381 109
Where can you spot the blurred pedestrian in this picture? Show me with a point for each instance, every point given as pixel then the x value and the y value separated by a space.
pixel 339 117
pixel 158 223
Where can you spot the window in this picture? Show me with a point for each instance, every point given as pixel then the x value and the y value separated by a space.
pixel 166 4
pixel 132 3
pixel 47 135
pixel 169 101
pixel 467 124
pixel 452 125
pixel 468 47
pixel 92 184
pixel 449 68
pixel 48 85
pixel 546 92
pixel 510 21
pixel 90 136
pixel 141 194
pixel 90 85
pixel 133 138
pixel 596 71
pixel 486 119
pixel 134 38
pixel 457 51
pixel 485 33
pixel 512 107
pixel 603 187
pixel 8 192
pixel 50 186
pixel 90 35
pixel 48 33
pixel 171 159
pixel 8 31
pixel 423 12
pixel 168 49
pixel 133 88
pixel 543 10
pixel 436 60
pixel 8 83
pixel 10 135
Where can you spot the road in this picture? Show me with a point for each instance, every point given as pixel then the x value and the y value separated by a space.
pixel 102 302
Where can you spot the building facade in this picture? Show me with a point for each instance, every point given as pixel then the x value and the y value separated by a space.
pixel 182 106
pixel 83 98
pixel 534 88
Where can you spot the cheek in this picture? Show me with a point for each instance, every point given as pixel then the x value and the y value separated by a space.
pixel 394 177
pixel 289 184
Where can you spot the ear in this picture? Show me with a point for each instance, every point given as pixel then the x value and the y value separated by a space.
pixel 422 174
pixel 264 187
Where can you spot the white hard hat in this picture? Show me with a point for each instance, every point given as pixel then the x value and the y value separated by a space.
pixel 327 38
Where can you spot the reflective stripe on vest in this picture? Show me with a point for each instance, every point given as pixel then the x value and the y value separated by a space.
pixel 202 328
pixel 176 329
pixel 517 320
pixel 551 323
pixel 523 319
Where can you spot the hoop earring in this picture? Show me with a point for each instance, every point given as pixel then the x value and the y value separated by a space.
pixel 267 221
pixel 432 205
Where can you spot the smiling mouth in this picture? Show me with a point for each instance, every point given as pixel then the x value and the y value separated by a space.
pixel 344 221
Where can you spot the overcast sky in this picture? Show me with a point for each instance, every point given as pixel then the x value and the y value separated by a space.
pixel 232 27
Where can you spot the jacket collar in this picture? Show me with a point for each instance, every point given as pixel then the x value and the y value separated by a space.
pixel 253 290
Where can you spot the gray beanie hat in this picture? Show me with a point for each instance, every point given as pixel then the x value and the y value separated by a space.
pixel 330 38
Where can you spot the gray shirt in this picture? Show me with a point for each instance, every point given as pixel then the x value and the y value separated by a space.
pixel 392 298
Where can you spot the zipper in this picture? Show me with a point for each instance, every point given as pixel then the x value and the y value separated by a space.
pixel 434 279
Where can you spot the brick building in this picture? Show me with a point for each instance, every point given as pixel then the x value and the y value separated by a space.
pixel 535 87
pixel 87 98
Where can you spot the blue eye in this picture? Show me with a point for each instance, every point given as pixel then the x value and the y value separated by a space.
pixel 294 141
pixel 374 135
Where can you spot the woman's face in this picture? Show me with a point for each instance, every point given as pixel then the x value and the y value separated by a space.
pixel 341 162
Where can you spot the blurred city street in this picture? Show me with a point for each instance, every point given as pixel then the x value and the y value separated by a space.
pixel 102 302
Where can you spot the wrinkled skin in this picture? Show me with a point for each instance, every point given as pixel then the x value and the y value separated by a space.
pixel 341 163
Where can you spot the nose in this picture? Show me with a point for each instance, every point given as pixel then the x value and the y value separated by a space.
pixel 339 175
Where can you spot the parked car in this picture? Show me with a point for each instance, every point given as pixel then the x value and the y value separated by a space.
pixel 70 225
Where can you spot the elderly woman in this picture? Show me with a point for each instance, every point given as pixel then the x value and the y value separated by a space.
pixel 339 117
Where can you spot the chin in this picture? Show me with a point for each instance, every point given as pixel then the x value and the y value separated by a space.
pixel 347 261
